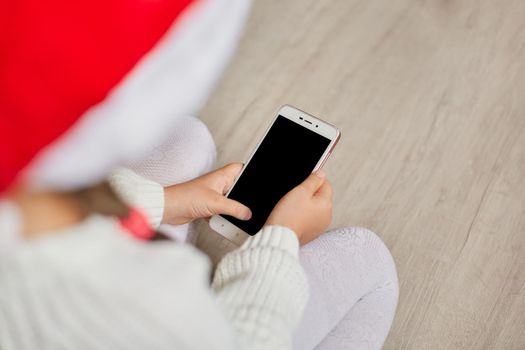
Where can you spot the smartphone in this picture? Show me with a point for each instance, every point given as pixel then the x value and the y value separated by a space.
pixel 295 145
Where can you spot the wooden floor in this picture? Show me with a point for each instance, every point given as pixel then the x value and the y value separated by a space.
pixel 430 99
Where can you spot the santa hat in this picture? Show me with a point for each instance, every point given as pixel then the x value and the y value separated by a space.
pixel 87 85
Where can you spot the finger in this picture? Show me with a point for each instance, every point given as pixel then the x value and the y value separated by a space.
pixel 228 206
pixel 314 181
pixel 232 169
pixel 230 173
pixel 325 191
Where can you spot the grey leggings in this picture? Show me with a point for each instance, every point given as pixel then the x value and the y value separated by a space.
pixel 353 291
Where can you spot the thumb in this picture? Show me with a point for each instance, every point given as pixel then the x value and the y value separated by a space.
pixel 314 181
pixel 230 173
pixel 224 205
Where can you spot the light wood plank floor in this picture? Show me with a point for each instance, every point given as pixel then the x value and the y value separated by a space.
pixel 430 99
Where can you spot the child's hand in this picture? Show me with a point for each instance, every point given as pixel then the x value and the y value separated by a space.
pixel 203 197
pixel 307 209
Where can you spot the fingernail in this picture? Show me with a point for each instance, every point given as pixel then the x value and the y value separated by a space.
pixel 247 216
pixel 320 174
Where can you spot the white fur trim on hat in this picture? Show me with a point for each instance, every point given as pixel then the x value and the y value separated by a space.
pixel 171 81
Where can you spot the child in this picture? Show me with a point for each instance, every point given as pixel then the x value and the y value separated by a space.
pixel 87 87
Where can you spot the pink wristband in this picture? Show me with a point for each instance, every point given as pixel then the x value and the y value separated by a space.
pixel 137 225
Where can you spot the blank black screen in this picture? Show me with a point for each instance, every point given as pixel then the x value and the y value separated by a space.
pixel 284 159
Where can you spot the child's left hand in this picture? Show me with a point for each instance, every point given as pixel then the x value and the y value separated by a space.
pixel 203 197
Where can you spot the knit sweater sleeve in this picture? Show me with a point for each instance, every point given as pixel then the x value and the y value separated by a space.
pixel 141 193
pixel 261 286
pixel 263 289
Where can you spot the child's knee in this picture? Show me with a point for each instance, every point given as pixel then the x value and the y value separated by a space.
pixel 188 152
pixel 370 249
pixel 377 258
pixel 205 144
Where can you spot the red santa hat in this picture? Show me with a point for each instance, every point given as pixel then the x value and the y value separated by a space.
pixel 87 85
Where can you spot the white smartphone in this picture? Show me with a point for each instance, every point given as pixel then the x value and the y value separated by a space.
pixel 295 145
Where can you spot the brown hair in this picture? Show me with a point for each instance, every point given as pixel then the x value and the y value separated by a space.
pixel 100 199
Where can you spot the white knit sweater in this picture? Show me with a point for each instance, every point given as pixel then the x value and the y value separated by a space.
pixel 94 287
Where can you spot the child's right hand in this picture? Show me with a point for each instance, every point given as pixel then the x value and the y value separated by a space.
pixel 203 197
pixel 307 209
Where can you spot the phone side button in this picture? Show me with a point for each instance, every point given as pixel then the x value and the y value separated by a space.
pixel 325 159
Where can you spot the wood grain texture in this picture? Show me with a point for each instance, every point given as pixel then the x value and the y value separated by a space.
pixel 430 99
